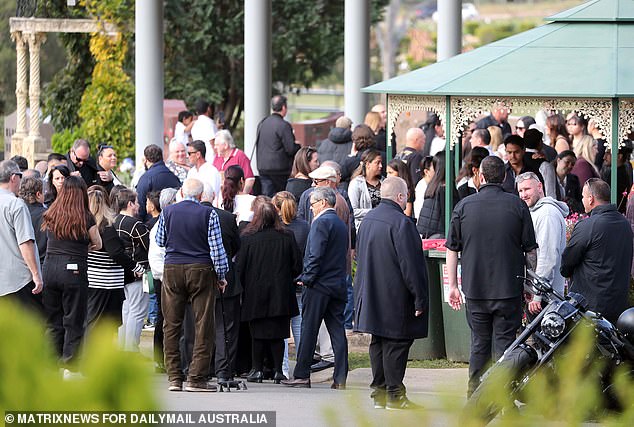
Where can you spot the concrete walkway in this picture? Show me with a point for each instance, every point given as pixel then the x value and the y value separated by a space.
pixel 440 391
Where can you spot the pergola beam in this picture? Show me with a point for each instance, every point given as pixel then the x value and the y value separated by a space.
pixel 47 25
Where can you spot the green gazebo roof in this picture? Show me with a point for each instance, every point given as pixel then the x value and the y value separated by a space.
pixel 587 52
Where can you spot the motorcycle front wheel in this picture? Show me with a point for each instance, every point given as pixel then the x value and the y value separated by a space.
pixel 515 363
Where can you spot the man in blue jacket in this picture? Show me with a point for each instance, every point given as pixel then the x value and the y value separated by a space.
pixel 156 178
pixel 391 292
pixel 325 296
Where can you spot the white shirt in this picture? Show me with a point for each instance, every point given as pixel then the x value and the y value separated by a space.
pixel 156 255
pixel 209 176
pixel 242 207
pixel 180 134
pixel 421 187
pixel 204 129
pixel 437 145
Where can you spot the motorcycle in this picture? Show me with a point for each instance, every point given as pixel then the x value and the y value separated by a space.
pixel 545 336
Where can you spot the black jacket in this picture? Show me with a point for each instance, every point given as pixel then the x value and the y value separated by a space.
pixel 231 243
pixel 267 265
pixel 37 215
pixel 88 170
pixel 276 147
pixel 391 279
pixel 573 193
pixel 336 147
pixel 598 257
pixel 431 219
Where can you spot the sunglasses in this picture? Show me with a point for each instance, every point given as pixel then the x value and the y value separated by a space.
pixel 190 153
pixel 101 148
pixel 18 174
pixel 79 159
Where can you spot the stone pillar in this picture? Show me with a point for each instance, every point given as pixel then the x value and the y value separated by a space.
pixel 34 146
pixel 356 58
pixel 449 29
pixel 20 93
pixel 257 70
pixel 148 71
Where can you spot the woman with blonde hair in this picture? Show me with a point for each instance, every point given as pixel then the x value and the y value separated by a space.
pixel 106 266
pixel 286 207
pixel 586 152
pixel 497 141
pixel 373 121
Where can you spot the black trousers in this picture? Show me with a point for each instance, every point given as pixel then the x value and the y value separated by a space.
pixel 225 355
pixel 104 305
pixel 272 184
pixel 388 358
pixel 494 325
pixel 65 298
pixel 25 297
pixel 316 307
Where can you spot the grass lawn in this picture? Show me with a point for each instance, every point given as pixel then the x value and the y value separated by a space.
pixel 362 360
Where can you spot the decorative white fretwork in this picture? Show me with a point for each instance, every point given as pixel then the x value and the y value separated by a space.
pixel 398 104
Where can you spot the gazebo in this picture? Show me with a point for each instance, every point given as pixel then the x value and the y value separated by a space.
pixel 582 60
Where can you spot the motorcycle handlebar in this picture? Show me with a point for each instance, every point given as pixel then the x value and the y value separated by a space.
pixel 538 282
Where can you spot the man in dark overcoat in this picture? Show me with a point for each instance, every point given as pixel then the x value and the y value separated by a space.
pixel 391 292
pixel 324 276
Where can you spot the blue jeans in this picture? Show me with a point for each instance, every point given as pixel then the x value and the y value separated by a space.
pixel 296 328
pixel 348 313
pixel 153 310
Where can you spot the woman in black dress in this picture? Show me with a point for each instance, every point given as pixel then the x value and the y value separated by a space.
pixel 268 262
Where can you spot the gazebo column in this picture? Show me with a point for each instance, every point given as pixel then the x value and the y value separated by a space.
pixel 20 93
pixel 257 70
pixel 34 143
pixel 148 70
pixel 449 29
pixel 356 58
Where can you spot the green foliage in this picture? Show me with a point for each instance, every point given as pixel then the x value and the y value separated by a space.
pixel 497 30
pixel 31 381
pixel 204 48
pixel 107 105
pixel 62 141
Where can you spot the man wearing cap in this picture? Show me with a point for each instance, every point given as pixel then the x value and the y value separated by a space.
pixel 535 160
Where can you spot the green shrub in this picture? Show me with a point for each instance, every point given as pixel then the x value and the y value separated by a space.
pixel 31 381
pixel 62 141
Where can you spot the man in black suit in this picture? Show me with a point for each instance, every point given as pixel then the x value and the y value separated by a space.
pixel 391 292
pixel 325 296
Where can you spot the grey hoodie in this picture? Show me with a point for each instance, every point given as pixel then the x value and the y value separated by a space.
pixel 549 222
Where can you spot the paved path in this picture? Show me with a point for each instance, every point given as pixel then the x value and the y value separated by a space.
pixel 435 389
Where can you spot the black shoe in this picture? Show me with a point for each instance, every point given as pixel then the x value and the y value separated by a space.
pixel 336 386
pixel 400 402
pixel 379 397
pixel 279 377
pixel 297 382
pixel 324 364
pixel 255 377
pixel 268 374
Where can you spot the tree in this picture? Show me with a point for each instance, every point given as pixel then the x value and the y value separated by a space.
pixel 204 51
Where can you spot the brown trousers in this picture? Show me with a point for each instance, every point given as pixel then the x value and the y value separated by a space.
pixel 183 283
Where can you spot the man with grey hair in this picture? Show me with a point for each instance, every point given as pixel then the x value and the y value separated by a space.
pixel 548 217
pixel 324 276
pixel 195 263
pixel 391 292
pixel 339 142
pixel 228 155
pixel 20 277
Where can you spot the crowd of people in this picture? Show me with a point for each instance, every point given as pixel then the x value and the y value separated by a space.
pixel 225 266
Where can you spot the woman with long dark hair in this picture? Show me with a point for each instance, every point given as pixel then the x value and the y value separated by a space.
pixel 428 169
pixel 56 178
pixel 399 168
pixel 234 199
pixel 557 133
pixel 468 179
pixel 431 221
pixel 306 160
pixel 268 262
pixel 365 187
pixel 72 232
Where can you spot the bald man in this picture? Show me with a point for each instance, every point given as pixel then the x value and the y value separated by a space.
pixel 412 153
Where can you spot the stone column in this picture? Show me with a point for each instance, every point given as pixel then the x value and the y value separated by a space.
pixel 20 93
pixel 449 29
pixel 34 146
pixel 356 58
pixel 257 70
pixel 148 71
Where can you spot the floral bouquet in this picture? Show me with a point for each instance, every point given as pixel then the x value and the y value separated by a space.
pixel 571 220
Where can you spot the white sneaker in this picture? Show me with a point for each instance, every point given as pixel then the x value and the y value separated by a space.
pixel 72 376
